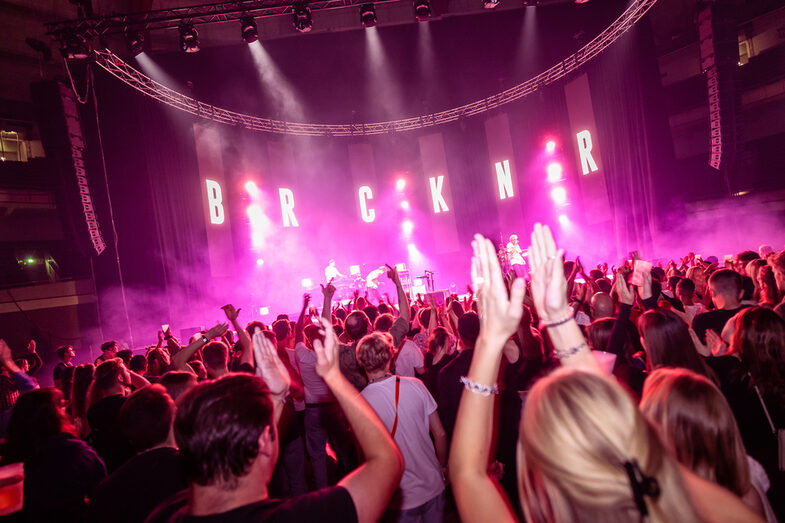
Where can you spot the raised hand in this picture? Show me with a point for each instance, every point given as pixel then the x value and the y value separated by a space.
pixel 326 352
pixel 217 331
pixel 269 366
pixel 5 353
pixel 716 344
pixel 307 298
pixel 499 314
pixel 31 346
pixel 231 312
pixel 645 289
pixel 329 290
pixel 392 273
pixel 549 286
pixel 624 292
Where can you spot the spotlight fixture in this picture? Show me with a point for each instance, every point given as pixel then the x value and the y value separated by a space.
pixel 530 3
pixel 302 18
pixel 135 41
pixel 368 15
pixel 490 4
pixel 422 10
pixel 189 38
pixel 75 46
pixel 248 30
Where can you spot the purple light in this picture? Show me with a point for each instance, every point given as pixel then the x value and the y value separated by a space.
pixel 264 311
pixel 550 147
pixel 307 283
pixel 559 195
pixel 252 189
pixel 400 184
pixel 407 226
pixel 259 262
pixel 405 205
pixel 564 220
pixel 554 171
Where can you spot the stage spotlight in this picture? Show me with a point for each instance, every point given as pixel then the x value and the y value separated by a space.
pixel 134 39
pixel 302 18
pixel 251 188
pixel 530 3
pixel 490 4
pixel 354 270
pixel 400 184
pixel 407 226
pixel 405 205
pixel 564 220
pixel 559 195
pixel 400 267
pixel 417 282
pixel 422 10
pixel 248 31
pixel 550 147
pixel 554 170
pixel 259 262
pixel 307 283
pixel 368 15
pixel 264 311
pixel 75 46
pixel 189 38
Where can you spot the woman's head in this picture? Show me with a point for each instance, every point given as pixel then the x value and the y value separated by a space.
pixel 579 433
pixel 667 341
pixel 111 377
pixel 374 351
pixel 696 422
pixel 759 338
pixel 599 333
pixel 37 415
pixel 438 340
pixel 157 362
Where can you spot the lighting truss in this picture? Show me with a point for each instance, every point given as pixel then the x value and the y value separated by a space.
pixel 142 83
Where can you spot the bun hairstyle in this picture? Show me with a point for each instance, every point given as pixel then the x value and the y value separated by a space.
pixel 585 453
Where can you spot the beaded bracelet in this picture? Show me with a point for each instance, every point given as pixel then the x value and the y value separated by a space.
pixel 562 354
pixel 559 322
pixel 476 388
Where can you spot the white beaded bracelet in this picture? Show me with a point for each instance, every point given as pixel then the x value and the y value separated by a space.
pixel 561 354
pixel 476 388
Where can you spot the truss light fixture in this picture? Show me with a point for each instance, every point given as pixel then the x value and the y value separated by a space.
pixel 490 4
pixel 302 19
pixel 368 15
pixel 422 10
pixel 189 38
pixel 248 30
pixel 75 46
pixel 135 41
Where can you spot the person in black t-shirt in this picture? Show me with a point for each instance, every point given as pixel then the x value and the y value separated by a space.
pixel 449 383
pixel 726 293
pixel 227 435
pixel 154 474
pixel 66 354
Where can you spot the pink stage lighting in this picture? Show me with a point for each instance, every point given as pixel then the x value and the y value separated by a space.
pixel 559 195
pixel 554 171
pixel 354 270
pixel 264 311
pixel 307 283
pixel 407 226
pixel 564 220
pixel 400 184
pixel 251 188
pixel 405 205
pixel 550 147
pixel 259 262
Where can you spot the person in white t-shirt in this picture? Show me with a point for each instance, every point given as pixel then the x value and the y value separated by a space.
pixel 331 272
pixel 409 412
pixel 410 358
pixel 515 256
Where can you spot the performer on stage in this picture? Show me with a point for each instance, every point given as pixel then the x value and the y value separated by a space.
pixel 372 283
pixel 331 272
pixel 515 256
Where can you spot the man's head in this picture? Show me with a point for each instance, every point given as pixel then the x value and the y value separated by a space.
pixel 596 274
pixel 177 383
pixel 252 326
pixel 685 291
pixel 357 325
pixel 743 258
pixel 383 323
pixel 726 289
pixel 778 264
pixel 109 349
pixel 282 331
pixel 332 263
pixel 514 239
pixel 146 417
pixel 469 329
pixel 372 312
pixel 23 364
pixel 383 308
pixel 138 364
pixel 225 431
pixel 65 353
pixel 215 356
pixel 374 352
pixel 601 305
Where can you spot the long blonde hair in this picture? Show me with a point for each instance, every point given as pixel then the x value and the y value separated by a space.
pixel 697 423
pixel 579 431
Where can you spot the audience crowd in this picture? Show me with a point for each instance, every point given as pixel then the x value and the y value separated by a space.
pixel 643 393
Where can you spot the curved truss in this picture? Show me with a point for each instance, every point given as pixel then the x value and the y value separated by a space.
pixel 121 70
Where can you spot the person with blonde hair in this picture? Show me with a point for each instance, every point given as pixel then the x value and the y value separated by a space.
pixel 585 452
pixel 696 422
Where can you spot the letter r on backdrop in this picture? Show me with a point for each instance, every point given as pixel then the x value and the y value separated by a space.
pixel 287 208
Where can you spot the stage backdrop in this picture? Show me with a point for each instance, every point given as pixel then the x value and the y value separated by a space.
pixel 208 214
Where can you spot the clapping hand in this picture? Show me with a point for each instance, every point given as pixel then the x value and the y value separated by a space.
pixel 217 331
pixel 269 366
pixel 326 352
pixel 329 290
pixel 622 289
pixel 392 273
pixel 307 299
pixel 231 312
pixel 499 314
pixel 548 285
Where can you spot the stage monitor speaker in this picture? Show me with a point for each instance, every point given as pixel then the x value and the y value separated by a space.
pixel 719 57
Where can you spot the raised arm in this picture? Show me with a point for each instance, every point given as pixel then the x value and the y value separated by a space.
pixel 299 326
pixel 33 355
pixel 403 299
pixel 328 293
pixel 180 360
pixel 246 356
pixel 271 369
pixel 478 497
pixel 373 483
